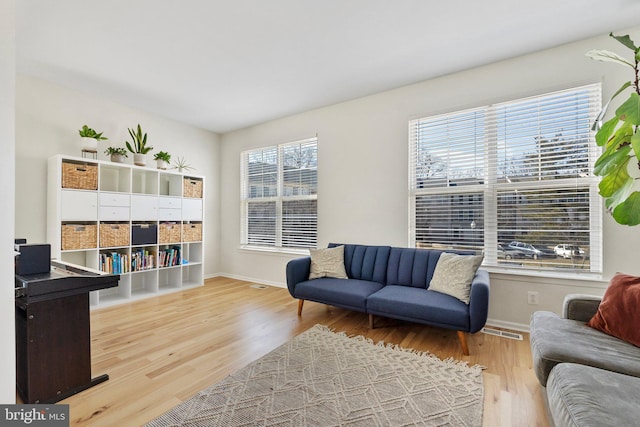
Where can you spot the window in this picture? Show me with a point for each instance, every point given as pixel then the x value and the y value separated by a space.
pixel 279 195
pixel 511 180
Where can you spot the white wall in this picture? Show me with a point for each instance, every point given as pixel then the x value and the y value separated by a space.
pixel 7 142
pixel 363 168
pixel 48 117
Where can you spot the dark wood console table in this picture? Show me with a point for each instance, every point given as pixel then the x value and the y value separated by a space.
pixel 53 341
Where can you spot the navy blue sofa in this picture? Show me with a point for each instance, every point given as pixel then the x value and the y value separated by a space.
pixel 394 283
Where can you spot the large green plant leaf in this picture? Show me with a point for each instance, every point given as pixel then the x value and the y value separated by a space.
pixel 603 135
pixel 628 212
pixel 616 179
pixel 630 111
pixel 621 136
pixel 607 56
pixel 603 112
pixel 626 41
pixel 620 195
pixel 610 159
pixel 635 143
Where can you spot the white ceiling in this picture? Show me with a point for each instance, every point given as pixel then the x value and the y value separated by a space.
pixel 224 65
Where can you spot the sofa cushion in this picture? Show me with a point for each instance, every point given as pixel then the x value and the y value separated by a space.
pixel 327 262
pixel 347 293
pixel 411 267
pixel 555 340
pixel 584 396
pixel 366 262
pixel 618 313
pixel 414 304
pixel 454 273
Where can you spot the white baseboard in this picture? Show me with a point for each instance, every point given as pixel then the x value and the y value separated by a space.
pixel 250 279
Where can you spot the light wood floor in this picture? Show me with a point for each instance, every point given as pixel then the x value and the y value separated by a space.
pixel 159 352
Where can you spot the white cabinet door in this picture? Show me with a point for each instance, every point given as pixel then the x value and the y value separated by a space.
pixel 114 206
pixel 114 213
pixel 165 214
pixel 170 202
pixel 192 209
pixel 78 205
pixel 114 199
pixel 144 208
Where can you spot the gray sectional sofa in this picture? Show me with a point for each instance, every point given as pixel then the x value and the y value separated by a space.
pixel 394 283
pixel 590 378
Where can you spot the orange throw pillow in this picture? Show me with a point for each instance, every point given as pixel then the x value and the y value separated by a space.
pixel 619 312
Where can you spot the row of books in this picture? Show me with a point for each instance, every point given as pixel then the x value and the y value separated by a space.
pixel 169 257
pixel 114 263
pixel 118 263
pixel 142 260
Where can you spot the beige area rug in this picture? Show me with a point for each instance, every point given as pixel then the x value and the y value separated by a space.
pixel 322 378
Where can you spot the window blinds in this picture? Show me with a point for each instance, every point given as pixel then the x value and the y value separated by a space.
pixel 279 195
pixel 512 180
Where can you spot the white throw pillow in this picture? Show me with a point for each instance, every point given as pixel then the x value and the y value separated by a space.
pixel 454 273
pixel 328 262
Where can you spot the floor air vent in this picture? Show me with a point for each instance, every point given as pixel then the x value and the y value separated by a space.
pixel 258 286
pixel 506 334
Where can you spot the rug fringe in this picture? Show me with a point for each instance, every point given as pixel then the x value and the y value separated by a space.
pixel 450 361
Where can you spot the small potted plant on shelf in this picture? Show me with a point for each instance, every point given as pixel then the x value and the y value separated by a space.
pixel 181 164
pixel 89 139
pixel 117 154
pixel 138 146
pixel 162 158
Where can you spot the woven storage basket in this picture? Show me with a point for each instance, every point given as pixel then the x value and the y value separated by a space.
pixel 193 188
pixel 191 232
pixel 112 235
pixel 79 236
pixel 170 233
pixel 81 176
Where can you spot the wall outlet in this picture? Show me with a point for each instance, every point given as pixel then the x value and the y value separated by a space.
pixel 532 298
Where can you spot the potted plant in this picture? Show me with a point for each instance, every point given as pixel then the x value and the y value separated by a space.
pixel 181 164
pixel 117 154
pixel 138 146
pixel 619 163
pixel 162 158
pixel 89 139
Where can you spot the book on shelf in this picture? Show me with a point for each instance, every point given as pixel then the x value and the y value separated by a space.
pixel 142 259
pixel 114 263
pixel 169 257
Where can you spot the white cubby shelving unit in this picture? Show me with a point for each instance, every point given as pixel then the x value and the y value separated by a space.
pixel 145 224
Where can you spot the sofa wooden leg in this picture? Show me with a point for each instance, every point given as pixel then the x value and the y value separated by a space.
pixel 300 304
pixel 370 321
pixel 463 342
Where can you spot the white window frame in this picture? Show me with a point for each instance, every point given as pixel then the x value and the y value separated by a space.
pixel 280 198
pixel 490 188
